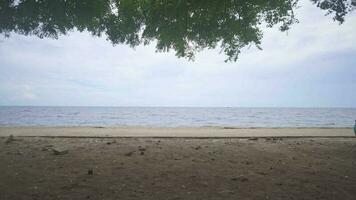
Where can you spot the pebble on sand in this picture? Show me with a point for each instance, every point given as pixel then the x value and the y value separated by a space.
pixel 10 139
pixel 57 151
pixel 129 153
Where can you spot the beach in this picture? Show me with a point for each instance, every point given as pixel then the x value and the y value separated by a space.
pixel 202 132
pixel 177 100
pixel 109 163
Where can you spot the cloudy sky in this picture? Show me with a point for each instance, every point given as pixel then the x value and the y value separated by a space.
pixel 314 64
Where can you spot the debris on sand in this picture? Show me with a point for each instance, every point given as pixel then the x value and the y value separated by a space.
pixel 197 148
pixel 141 148
pixel 47 147
pixel 9 139
pixel 57 151
pixel 110 142
pixel 253 138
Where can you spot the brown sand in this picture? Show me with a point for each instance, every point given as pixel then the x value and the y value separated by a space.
pixel 177 168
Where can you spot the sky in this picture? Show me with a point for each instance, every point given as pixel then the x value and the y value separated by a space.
pixel 312 65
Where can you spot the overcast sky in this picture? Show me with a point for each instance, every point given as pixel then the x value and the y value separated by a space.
pixel 314 64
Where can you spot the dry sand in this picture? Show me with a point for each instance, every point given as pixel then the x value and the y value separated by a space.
pixel 174 132
pixel 175 168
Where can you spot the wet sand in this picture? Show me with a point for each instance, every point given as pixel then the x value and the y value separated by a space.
pixel 177 168
pixel 208 132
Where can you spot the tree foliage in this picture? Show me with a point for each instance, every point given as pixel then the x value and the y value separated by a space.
pixel 185 26
pixel 339 8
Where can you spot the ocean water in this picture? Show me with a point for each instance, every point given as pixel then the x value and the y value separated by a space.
pixel 177 116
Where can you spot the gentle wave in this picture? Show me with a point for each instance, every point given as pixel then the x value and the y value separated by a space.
pixel 177 117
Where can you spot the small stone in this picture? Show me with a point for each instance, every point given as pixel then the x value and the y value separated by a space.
pixel 142 149
pixel 253 138
pixel 57 151
pixel 129 153
pixel 142 153
pixel 47 147
pixel 90 172
pixel 197 148
pixel 10 139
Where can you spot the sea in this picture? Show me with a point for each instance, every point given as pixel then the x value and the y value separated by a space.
pixel 177 117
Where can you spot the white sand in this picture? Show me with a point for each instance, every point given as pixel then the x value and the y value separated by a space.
pixel 174 132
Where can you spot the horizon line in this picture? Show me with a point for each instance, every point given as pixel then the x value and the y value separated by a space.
pixel 157 106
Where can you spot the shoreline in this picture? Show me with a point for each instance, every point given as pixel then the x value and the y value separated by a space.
pixel 181 132
pixel 173 127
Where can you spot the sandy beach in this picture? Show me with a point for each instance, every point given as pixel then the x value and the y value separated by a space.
pixel 177 168
pixel 177 100
pixel 205 132
pixel 68 165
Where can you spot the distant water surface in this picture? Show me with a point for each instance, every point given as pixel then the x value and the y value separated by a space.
pixel 177 116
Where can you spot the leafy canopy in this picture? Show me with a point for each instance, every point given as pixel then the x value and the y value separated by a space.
pixel 185 26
